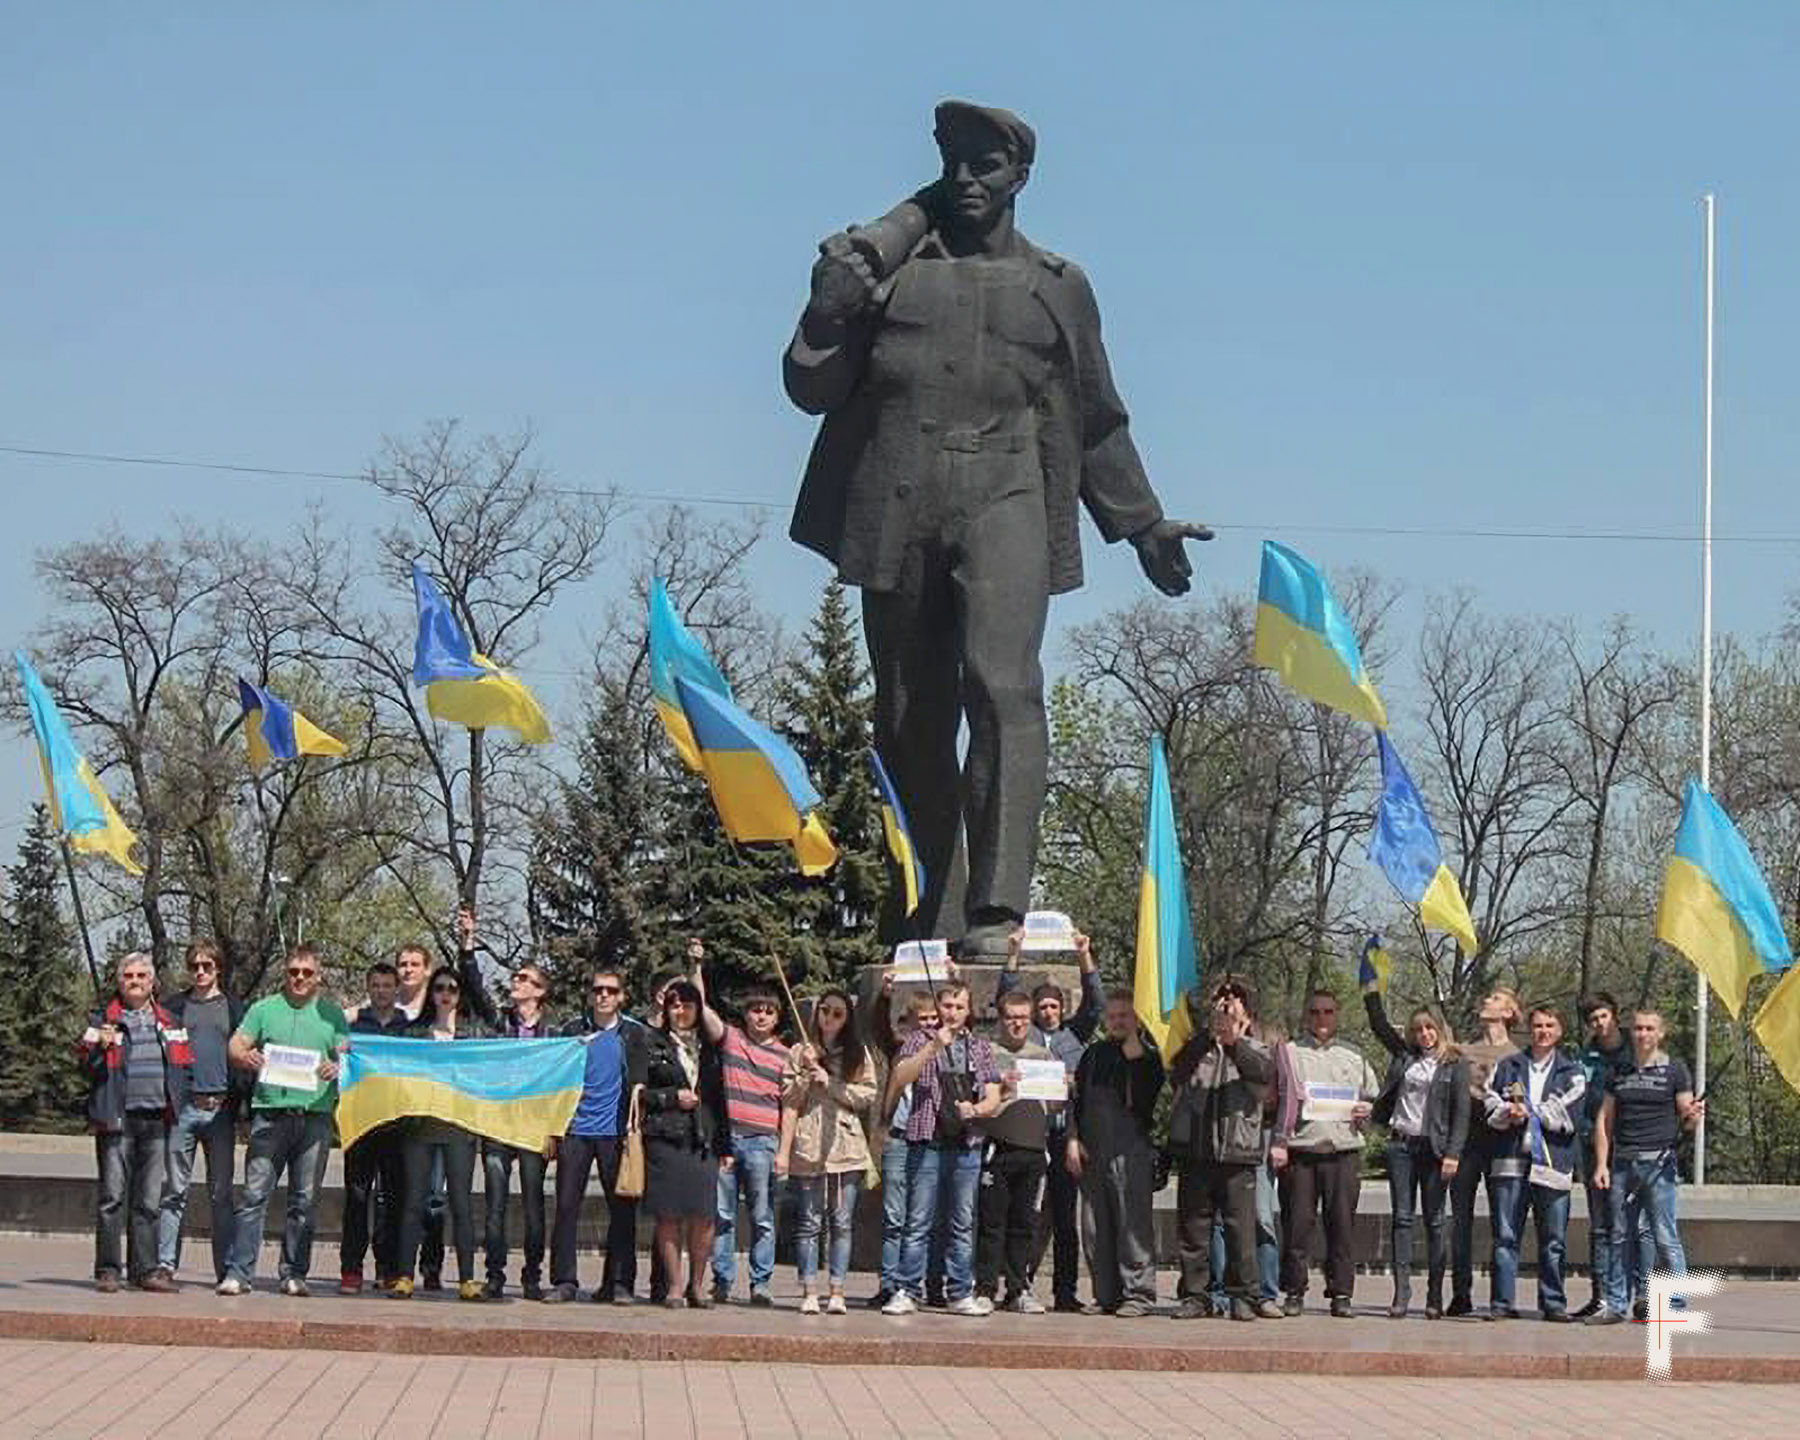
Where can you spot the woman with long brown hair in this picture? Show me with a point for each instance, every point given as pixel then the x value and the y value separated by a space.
pixel 685 1134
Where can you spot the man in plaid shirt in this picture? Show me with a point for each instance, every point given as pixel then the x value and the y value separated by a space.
pixel 954 1081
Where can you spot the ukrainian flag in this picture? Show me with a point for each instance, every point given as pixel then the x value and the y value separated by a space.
pixel 1406 848
pixel 516 1092
pixel 1778 1026
pixel 1716 908
pixel 79 808
pixel 1303 636
pixel 899 838
pixel 462 686
pixel 674 651
pixel 1167 965
pixel 1373 969
pixel 759 785
pixel 277 731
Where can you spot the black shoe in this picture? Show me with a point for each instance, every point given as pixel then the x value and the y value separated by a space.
pixel 1242 1309
pixel 1068 1305
pixel 1194 1307
pixel 495 1288
pixel 879 1298
pixel 431 1280
pixel 531 1290
pixel 760 1298
pixel 1460 1305
pixel 1640 1311
pixel 620 1297
pixel 1557 1317
pixel 1292 1305
pixel 1434 1312
pixel 1341 1308
pixel 1593 1307
pixel 1397 1311
pixel 561 1294
pixel 1503 1312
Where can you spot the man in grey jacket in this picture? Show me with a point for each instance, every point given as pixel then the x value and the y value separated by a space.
pixel 1220 1079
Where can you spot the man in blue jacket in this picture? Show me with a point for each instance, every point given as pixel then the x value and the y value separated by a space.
pixel 1534 1100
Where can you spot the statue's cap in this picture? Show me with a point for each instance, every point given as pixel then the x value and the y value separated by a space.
pixel 1020 138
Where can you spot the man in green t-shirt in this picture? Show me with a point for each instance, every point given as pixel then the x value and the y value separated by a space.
pixel 291 1042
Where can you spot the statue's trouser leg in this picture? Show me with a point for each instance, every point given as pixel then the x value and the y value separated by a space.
pixel 911 634
pixel 1001 582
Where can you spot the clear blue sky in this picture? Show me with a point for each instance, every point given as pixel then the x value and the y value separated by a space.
pixel 1426 264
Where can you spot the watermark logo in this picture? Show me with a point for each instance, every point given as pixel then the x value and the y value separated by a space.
pixel 1670 1310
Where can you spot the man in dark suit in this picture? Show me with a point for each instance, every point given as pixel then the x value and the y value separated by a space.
pixel 968 407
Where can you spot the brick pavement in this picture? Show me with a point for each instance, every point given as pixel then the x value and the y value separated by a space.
pixel 63 1391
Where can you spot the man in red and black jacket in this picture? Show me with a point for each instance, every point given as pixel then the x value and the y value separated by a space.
pixel 138 1062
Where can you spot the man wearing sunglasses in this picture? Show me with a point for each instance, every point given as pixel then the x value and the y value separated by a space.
pixel 617 1060
pixel 291 1124
pixel 207 1121
pixel 524 1019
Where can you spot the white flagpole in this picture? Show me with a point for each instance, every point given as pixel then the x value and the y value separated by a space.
pixel 1706 490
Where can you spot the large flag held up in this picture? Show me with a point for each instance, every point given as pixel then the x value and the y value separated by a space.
pixel 1406 848
pixel 759 785
pixel 1715 907
pixel 1304 637
pixel 1167 964
pixel 1778 1026
pixel 516 1092
pixel 277 731
pixel 675 652
pixel 898 836
pixel 79 808
pixel 462 686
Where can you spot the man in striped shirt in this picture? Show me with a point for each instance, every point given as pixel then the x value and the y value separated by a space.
pixel 754 1063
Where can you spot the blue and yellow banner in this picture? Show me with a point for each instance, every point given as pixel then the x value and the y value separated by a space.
pixel 1304 637
pixel 675 652
pixel 81 811
pixel 518 1092
pixel 899 837
pixel 1778 1026
pixel 275 730
pixel 1405 846
pixel 1373 969
pixel 462 686
pixel 1167 963
pixel 1715 907
pixel 759 785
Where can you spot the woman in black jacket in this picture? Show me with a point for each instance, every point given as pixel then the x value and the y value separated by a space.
pixel 685 1134
pixel 444 1018
pixel 1424 1102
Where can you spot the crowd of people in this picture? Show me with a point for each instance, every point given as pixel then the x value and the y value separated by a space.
pixel 979 1182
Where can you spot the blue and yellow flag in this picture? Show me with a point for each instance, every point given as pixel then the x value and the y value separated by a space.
pixel 1406 848
pixel 899 838
pixel 1373 968
pixel 1303 636
pixel 674 651
pixel 462 686
pixel 759 785
pixel 1716 908
pixel 277 731
pixel 79 808
pixel 1778 1026
pixel 1167 964
pixel 516 1092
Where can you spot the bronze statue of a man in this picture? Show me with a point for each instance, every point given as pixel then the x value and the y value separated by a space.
pixel 968 406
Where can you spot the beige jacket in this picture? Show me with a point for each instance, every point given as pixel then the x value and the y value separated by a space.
pixel 829 1133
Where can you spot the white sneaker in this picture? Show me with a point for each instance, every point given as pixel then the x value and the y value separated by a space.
pixel 231 1285
pixel 809 1304
pixel 1025 1303
pixel 971 1305
pixel 835 1306
pixel 901 1304
pixel 295 1287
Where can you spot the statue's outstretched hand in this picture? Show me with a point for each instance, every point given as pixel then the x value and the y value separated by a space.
pixel 1163 555
pixel 842 280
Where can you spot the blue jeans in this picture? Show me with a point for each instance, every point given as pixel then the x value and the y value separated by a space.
pixel 895 1187
pixel 941 1182
pixel 1639 1187
pixel 296 1141
pixel 751 1175
pixel 824 1199
pixel 1268 1245
pixel 1416 1171
pixel 197 1129
pixel 1513 1196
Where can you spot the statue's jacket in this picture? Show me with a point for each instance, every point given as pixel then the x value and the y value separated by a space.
pixel 853 507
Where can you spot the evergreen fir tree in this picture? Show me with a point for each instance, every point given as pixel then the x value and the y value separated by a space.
pixel 43 995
